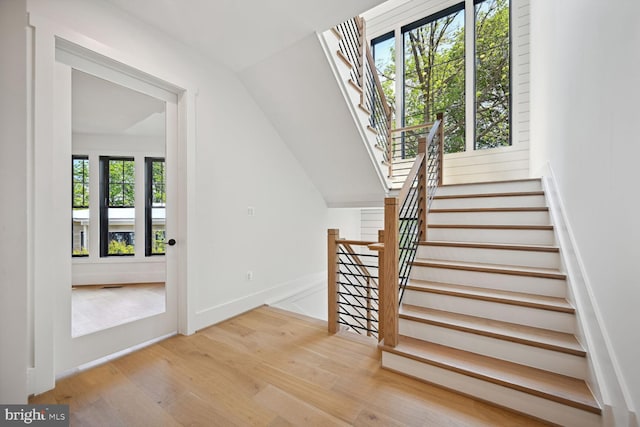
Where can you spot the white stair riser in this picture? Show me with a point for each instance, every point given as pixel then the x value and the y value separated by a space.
pixel 539 407
pixel 518 258
pixel 528 316
pixel 478 235
pixel 490 218
pixel 502 282
pixel 489 202
pixel 490 187
pixel 541 358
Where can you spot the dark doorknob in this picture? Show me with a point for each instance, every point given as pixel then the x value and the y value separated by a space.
pixel 171 242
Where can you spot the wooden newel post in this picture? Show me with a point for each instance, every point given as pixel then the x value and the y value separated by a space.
pixel 389 292
pixel 440 116
pixel 333 235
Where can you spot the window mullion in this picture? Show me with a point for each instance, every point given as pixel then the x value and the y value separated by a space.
pixel 469 70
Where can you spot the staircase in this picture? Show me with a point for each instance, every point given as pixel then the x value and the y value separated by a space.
pixel 485 312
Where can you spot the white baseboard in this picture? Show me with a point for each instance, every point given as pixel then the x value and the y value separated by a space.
pixel 218 313
pixel 311 301
pixel 605 379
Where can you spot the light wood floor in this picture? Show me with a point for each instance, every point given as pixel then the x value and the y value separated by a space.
pixel 98 307
pixel 266 367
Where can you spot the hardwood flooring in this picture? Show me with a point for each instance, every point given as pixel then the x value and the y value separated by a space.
pixel 98 307
pixel 266 367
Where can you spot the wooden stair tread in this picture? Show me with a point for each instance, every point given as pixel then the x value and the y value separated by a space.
pixel 364 109
pixel 528 335
pixel 555 387
pixel 354 85
pixel 512 247
pixel 404 161
pixel 493 226
pixel 483 195
pixel 475 210
pixel 344 59
pixel 545 273
pixel 505 297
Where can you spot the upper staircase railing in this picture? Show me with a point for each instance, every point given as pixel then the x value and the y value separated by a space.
pixel 363 75
pixel 351 47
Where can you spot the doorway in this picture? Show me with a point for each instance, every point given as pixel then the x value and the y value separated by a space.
pixel 118 171
pixel 119 133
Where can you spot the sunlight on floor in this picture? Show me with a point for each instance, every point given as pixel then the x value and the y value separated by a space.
pixel 94 308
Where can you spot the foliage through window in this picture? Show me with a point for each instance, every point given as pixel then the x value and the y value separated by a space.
pixel 155 208
pixel 435 73
pixel 117 207
pixel 492 74
pixel 383 51
pixel 80 206
pixel 434 78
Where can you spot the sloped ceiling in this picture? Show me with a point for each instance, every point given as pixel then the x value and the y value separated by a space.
pixel 103 107
pixel 241 33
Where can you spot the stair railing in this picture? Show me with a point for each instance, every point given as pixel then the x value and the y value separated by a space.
pixel 375 101
pixel 355 49
pixel 351 47
pixel 405 225
pixel 352 285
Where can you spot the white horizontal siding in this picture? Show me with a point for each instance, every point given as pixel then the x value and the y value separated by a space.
pixel 520 17
pixel 372 220
pixel 494 164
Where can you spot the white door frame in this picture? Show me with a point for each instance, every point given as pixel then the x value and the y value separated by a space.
pixel 50 267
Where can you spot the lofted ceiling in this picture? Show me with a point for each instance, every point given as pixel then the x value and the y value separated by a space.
pixel 242 33
pixel 103 107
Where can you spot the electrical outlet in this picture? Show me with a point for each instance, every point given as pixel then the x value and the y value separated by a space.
pixel 251 211
pixel 249 275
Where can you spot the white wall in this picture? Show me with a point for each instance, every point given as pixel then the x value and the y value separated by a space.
pixel 235 159
pixel 584 103
pixel 312 300
pixel 13 211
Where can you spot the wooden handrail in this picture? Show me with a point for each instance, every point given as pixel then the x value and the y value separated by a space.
pixel 408 183
pixel 424 125
pixel 360 23
pixel 440 117
pixel 376 80
pixel 390 268
pixel 434 129
pixel 356 242
pixel 357 259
